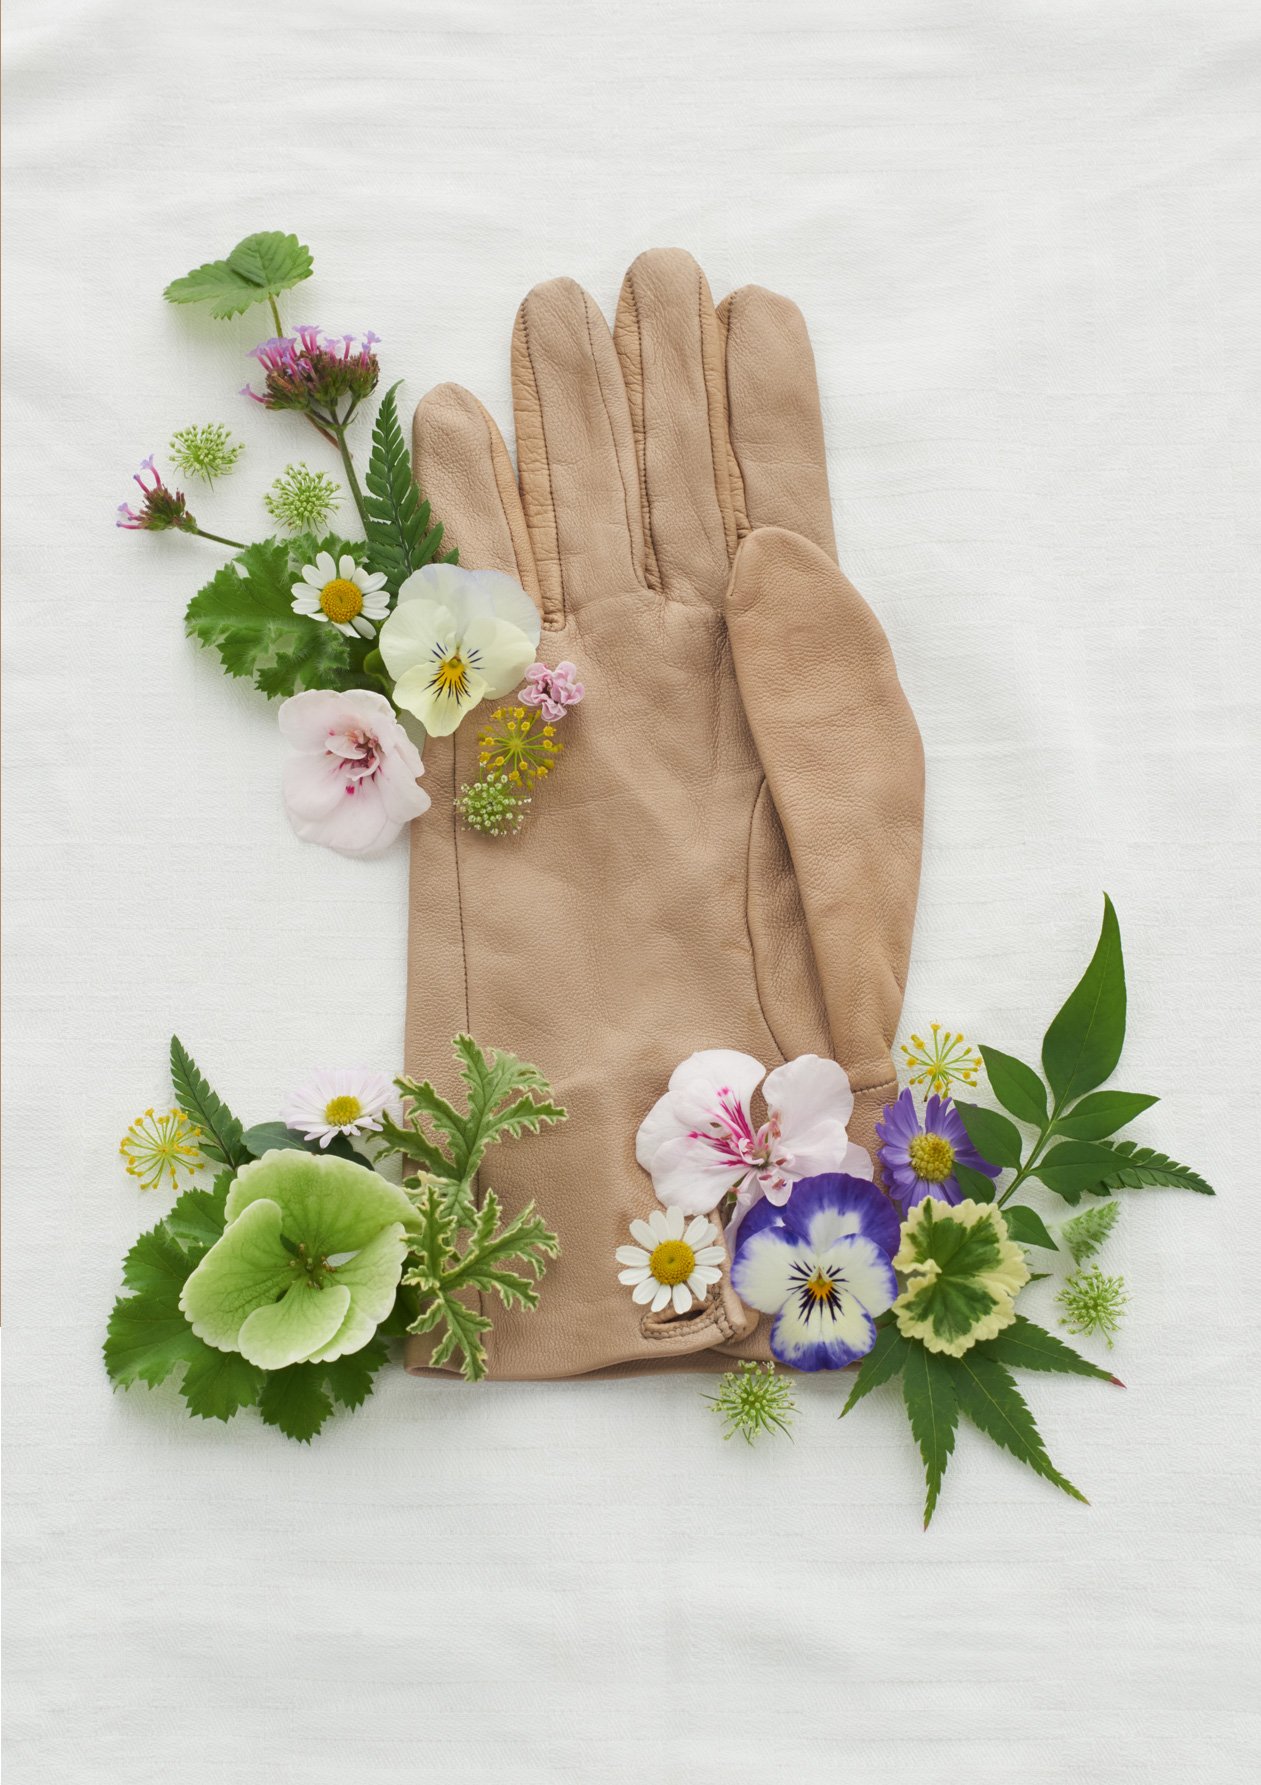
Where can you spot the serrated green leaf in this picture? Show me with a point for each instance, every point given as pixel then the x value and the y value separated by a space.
pixel 400 536
pixel 245 612
pixel 218 1383
pixel 271 1137
pixel 350 1379
pixel 988 1395
pixel 994 1137
pixel 295 1401
pixel 147 1338
pixel 1083 1044
pixel 197 1219
pixel 1017 1086
pixel 1027 1227
pixel 221 1136
pixel 932 1408
pixel 1074 1166
pixel 410 1143
pixel 883 1362
pixel 1102 1113
pixel 1085 1233
pixel 1025 1346
pixel 261 266
pixel 1133 1168
pixel 156 1266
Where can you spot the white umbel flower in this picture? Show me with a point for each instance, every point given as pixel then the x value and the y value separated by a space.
pixel 345 1100
pixel 675 1262
pixel 341 593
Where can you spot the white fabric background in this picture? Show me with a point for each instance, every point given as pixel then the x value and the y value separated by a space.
pixel 1024 237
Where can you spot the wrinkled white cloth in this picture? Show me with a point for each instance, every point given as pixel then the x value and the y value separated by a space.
pixel 1024 238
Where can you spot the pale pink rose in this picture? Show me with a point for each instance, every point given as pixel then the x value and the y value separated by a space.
pixel 352 785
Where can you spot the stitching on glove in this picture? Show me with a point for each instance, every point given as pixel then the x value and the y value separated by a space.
pixel 652 567
pixel 763 789
pixel 713 1319
pixel 608 416
pixel 550 618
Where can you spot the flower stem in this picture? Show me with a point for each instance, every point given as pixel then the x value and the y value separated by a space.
pixel 1039 1147
pixel 275 316
pixel 218 538
pixel 339 429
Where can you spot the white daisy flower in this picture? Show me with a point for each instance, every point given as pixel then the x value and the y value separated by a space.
pixel 675 1262
pixel 342 593
pixel 346 1100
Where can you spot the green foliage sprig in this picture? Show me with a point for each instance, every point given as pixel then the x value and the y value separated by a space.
pixel 464 1252
pixel 401 536
pixel 257 271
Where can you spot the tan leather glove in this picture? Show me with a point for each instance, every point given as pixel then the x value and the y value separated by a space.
pixel 728 854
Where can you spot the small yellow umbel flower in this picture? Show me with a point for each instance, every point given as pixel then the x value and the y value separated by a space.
pixel 156 1147
pixel 517 747
pixel 942 1061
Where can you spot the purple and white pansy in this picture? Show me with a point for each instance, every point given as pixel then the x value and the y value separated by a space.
pixel 699 1142
pixel 822 1265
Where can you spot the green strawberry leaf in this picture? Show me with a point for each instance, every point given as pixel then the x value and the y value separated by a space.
pixel 259 267
pixel 1017 1086
pixel 294 1401
pixel 217 1383
pixel 156 1266
pixel 351 1378
pixel 1025 1346
pixel 933 1410
pixel 147 1338
pixel 197 1219
pixel 1102 1113
pixel 881 1364
pixel 988 1395
pixel 1028 1227
pixel 994 1137
pixel 1134 1167
pixel 220 1131
pixel 1083 1044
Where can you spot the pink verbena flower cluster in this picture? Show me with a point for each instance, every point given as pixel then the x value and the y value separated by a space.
pixel 551 690
pixel 313 373
pixel 161 508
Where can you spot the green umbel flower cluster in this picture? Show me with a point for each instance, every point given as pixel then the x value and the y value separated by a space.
pixel 206 452
pixel 493 806
pixel 302 500
pixel 753 1399
pixel 1093 1303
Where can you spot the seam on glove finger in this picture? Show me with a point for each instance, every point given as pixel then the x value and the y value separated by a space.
pixel 739 501
pixel 719 425
pixel 553 609
pixel 634 526
pixel 763 791
pixel 635 403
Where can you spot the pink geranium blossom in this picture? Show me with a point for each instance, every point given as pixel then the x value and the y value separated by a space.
pixel 699 1142
pixel 352 785
pixel 554 691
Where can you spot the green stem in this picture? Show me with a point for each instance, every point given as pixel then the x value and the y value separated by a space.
pixel 218 538
pixel 275 316
pixel 339 428
pixel 1039 1147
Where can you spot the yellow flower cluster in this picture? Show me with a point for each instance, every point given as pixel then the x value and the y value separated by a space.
pixel 515 746
pixel 942 1061
pixel 157 1146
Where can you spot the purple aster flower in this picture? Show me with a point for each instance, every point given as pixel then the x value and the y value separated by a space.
pixel 160 509
pixel 821 1264
pixel 919 1158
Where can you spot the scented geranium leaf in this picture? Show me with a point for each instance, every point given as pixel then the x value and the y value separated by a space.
pixel 197 1219
pixel 1027 1227
pixel 295 1401
pixel 932 1408
pixel 963 1273
pixel 350 1379
pixel 426 1103
pixel 1017 1086
pixel 464 1329
pixel 484 1265
pixel 156 1266
pixel 988 1395
pixel 271 1137
pixel 1025 1346
pixel 1102 1113
pixel 1083 1044
pixel 1074 1166
pixel 506 1096
pixel 974 1184
pixel 1134 1167
pixel 220 1138
pixel 400 536
pixel 409 1141
pixel 217 1383
pixel 259 267
pixel 245 612
pixel 1085 1233
pixel 882 1363
pixel 993 1136
pixel 146 1339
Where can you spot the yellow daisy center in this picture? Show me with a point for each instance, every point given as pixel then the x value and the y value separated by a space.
pixel 672 1262
pixel 451 676
pixel 340 1110
pixel 341 600
pixel 932 1157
